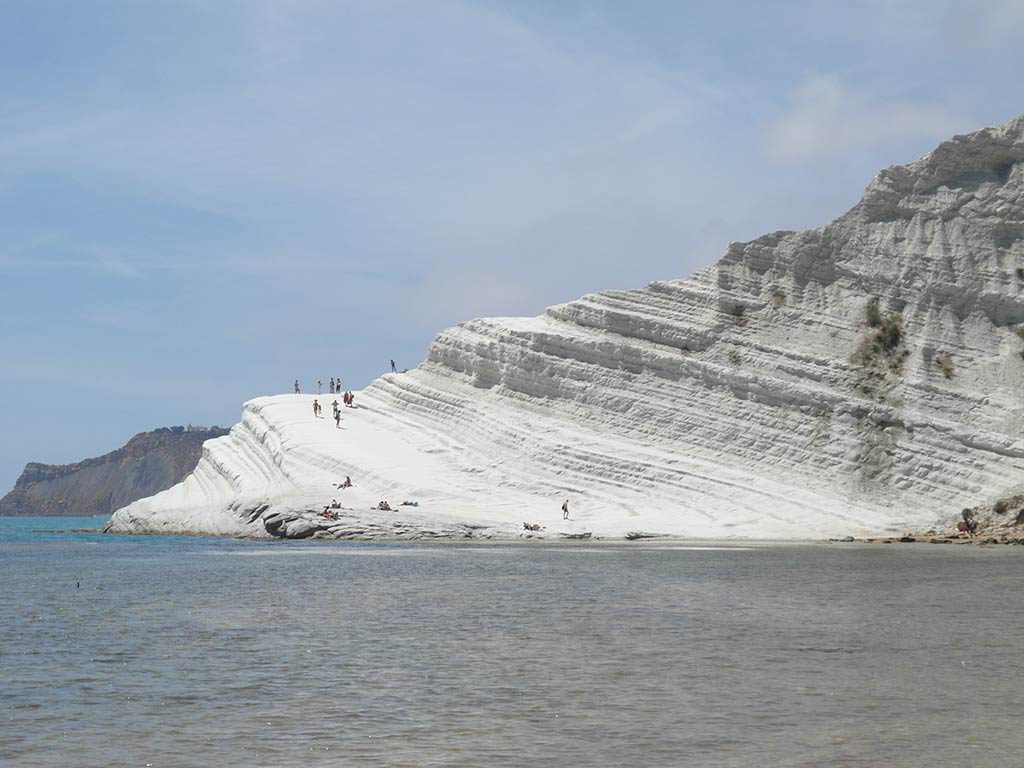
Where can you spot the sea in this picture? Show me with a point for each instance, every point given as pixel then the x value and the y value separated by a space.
pixel 194 651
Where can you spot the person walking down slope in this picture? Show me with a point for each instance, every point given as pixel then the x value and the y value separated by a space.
pixel 297 392
pixel 337 418
pixel 335 408
pixel 316 408
pixel 565 509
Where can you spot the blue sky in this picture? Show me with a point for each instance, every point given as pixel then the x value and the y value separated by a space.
pixel 201 201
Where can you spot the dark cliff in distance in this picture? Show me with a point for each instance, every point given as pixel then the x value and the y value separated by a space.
pixel 149 463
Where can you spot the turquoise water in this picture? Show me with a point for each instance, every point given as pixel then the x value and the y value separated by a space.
pixel 187 651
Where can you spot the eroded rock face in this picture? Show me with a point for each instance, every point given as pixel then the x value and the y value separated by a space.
pixel 149 463
pixel 762 396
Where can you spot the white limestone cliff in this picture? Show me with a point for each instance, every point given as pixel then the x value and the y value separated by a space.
pixel 751 399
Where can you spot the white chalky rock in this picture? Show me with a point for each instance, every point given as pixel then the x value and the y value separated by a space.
pixel 731 403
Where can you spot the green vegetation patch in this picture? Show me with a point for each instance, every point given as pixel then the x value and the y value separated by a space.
pixel 881 348
pixel 872 314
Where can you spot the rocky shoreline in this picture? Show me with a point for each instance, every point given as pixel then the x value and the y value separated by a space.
pixel 305 517
pixel 1001 522
pixel 937 538
pixel 270 523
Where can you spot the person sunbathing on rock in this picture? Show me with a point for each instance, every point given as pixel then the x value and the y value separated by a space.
pixel 346 484
pixel 382 504
pixel 409 504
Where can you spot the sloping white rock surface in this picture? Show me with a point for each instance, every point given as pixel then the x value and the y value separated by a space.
pixel 751 399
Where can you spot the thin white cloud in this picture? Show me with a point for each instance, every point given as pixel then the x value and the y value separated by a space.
pixel 445 102
pixel 974 26
pixel 826 117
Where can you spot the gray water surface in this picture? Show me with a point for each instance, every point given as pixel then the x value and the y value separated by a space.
pixel 212 652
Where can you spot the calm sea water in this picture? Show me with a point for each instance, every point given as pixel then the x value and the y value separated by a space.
pixel 213 652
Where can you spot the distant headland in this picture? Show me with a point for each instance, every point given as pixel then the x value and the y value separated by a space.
pixel 148 463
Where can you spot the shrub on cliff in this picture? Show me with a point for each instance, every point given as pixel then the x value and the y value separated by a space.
pixel 880 348
pixel 890 332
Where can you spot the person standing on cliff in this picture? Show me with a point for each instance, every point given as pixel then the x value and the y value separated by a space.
pixel 297 392
pixel 330 386
pixel 319 387
pixel 565 509
pixel 393 369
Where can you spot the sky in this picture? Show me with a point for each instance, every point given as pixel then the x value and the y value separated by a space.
pixel 203 200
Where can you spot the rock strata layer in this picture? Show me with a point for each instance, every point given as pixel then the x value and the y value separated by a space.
pixel 860 378
pixel 149 463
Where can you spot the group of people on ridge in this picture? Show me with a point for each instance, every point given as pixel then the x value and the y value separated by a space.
pixel 333 386
pixel 348 398
pixel 318 409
